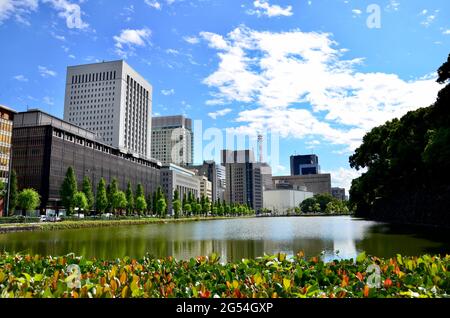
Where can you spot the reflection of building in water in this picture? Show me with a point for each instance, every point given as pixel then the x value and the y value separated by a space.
pixel 347 248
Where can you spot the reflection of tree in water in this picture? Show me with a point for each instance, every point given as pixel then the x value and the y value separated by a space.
pixel 388 240
pixel 184 241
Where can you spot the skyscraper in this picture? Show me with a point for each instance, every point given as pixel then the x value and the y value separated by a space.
pixel 172 140
pixel 302 165
pixel 245 178
pixel 113 101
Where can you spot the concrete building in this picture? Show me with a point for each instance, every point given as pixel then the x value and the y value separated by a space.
pixel 216 175
pixel 173 178
pixel 339 193
pixel 282 201
pixel 6 127
pixel 244 178
pixel 205 188
pixel 315 183
pixel 304 165
pixel 113 101
pixel 172 140
pixel 44 147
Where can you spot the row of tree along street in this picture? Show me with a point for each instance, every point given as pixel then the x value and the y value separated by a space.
pixel 110 199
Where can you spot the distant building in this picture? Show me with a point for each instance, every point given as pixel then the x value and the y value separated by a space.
pixel 6 127
pixel 245 178
pixel 304 165
pixel 173 140
pixel 281 201
pixel 112 100
pixel 205 187
pixel 338 193
pixel 215 173
pixel 173 178
pixel 44 147
pixel 315 183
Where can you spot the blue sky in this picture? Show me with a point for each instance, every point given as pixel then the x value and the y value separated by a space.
pixel 313 72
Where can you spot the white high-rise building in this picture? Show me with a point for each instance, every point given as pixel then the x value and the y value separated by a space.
pixel 172 140
pixel 113 101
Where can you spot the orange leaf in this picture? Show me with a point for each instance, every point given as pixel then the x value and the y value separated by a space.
pixel 387 283
pixel 366 291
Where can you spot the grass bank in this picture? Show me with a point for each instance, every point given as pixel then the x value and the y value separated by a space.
pixel 79 224
pixel 204 277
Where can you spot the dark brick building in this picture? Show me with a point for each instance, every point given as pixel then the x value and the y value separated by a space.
pixel 43 147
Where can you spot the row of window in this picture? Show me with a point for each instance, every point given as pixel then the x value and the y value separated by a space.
pixel 99 147
pixel 93 77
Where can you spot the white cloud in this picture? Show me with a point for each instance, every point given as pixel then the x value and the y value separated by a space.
pixel 129 38
pixel 172 51
pixel 154 4
pixel 72 56
pixel 356 12
pixel 58 37
pixel 342 177
pixel 263 7
pixel 191 39
pixel 20 78
pixel 17 9
pixel 446 32
pixel 69 11
pixel 297 84
pixel 393 5
pixel 45 72
pixel 48 101
pixel 429 19
pixel 168 92
pixel 220 113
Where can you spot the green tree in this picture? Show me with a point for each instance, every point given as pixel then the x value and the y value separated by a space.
pixel 68 190
pixel 101 200
pixel 161 207
pixel 139 191
pixel 141 204
pixel 112 189
pixel 80 202
pixel 119 201
pixel 187 209
pixel 307 205
pixel 176 208
pixel 28 200
pixel 130 198
pixel 13 193
pixel 150 202
pixel 87 190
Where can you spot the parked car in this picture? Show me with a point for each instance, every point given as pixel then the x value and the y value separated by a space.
pixel 43 218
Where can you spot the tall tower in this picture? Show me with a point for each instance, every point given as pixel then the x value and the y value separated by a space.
pixel 260 147
pixel 113 101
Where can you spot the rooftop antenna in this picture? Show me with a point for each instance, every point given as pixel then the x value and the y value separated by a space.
pixel 260 147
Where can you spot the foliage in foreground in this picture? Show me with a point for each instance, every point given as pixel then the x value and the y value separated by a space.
pixel 204 277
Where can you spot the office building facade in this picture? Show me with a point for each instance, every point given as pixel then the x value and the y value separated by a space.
pixel 215 173
pixel 44 147
pixel 6 127
pixel 315 183
pixel 280 202
pixel 173 178
pixel 113 101
pixel 205 188
pixel 172 140
pixel 339 193
pixel 244 178
pixel 304 165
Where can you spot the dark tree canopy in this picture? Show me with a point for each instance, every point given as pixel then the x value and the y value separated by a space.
pixel 406 161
